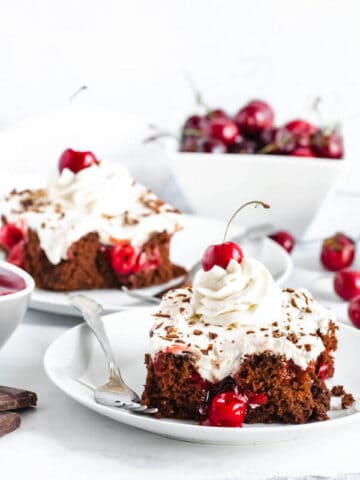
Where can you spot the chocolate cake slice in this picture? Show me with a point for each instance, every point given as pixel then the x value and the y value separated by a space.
pixel 236 348
pixel 92 227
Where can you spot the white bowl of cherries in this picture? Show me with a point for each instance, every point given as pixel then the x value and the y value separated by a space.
pixel 222 160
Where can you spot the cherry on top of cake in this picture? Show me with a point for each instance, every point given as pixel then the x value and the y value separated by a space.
pixel 88 195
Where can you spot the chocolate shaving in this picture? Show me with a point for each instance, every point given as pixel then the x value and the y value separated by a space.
pixel 292 337
pixel 128 220
pixel 212 335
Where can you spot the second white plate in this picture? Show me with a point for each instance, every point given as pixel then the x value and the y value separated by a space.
pixel 186 249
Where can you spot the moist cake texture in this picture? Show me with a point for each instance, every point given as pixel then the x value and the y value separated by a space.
pixel 236 331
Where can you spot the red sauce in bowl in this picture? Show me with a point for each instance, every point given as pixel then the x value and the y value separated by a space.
pixel 10 282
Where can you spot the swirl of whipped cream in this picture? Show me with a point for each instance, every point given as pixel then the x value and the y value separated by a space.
pixel 100 189
pixel 244 292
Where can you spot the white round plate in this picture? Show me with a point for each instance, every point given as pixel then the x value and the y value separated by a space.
pixel 186 248
pixel 75 361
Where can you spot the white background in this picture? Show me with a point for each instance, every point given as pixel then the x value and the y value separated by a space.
pixel 132 56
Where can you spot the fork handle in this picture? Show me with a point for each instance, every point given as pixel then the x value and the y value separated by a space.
pixel 91 314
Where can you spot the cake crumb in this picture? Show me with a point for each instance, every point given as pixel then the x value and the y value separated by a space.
pixel 338 391
pixel 347 400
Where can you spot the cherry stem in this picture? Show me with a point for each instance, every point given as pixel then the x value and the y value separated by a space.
pixel 253 202
pixel 76 93
pixel 158 134
pixel 198 97
pixel 316 108
pixel 271 147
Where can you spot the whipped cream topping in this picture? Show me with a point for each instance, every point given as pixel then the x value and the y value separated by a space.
pixel 236 312
pixel 102 198
pixel 243 291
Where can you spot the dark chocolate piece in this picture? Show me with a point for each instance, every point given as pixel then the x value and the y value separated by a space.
pixel 14 398
pixel 9 421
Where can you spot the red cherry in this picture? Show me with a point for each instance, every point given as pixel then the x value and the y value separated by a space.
pixel 210 145
pixel 337 252
pixel 328 145
pixel 347 284
pixel 285 239
pixel 284 140
pixel 224 130
pixel 221 254
pixel 76 161
pixel 303 152
pixel 195 122
pixel 227 410
pixel 216 114
pixel 254 117
pixel 10 235
pixel 16 255
pixel 149 260
pixel 123 258
pixel 277 140
pixel 354 311
pixel 189 144
pixel 323 371
pixel 302 131
pixel 242 145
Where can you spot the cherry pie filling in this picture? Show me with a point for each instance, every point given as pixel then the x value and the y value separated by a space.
pixel 225 404
pixel 123 257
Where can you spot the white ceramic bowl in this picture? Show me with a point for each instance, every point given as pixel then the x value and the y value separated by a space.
pixel 295 187
pixel 14 305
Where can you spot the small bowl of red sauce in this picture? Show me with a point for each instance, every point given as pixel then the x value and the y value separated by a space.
pixel 16 287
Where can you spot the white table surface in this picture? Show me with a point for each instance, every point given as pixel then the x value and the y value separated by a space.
pixel 61 439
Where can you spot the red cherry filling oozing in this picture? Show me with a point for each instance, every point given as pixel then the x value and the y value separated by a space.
pixel 323 371
pixel 126 259
pixel 10 235
pixel 337 252
pixel 228 409
pixel 76 161
pixel 221 254
pixel 16 254
pixel 12 239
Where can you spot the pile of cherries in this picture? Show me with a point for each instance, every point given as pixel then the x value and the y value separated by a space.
pixel 337 255
pixel 252 130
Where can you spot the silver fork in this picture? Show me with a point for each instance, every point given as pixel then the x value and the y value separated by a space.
pixel 115 392
pixel 255 233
